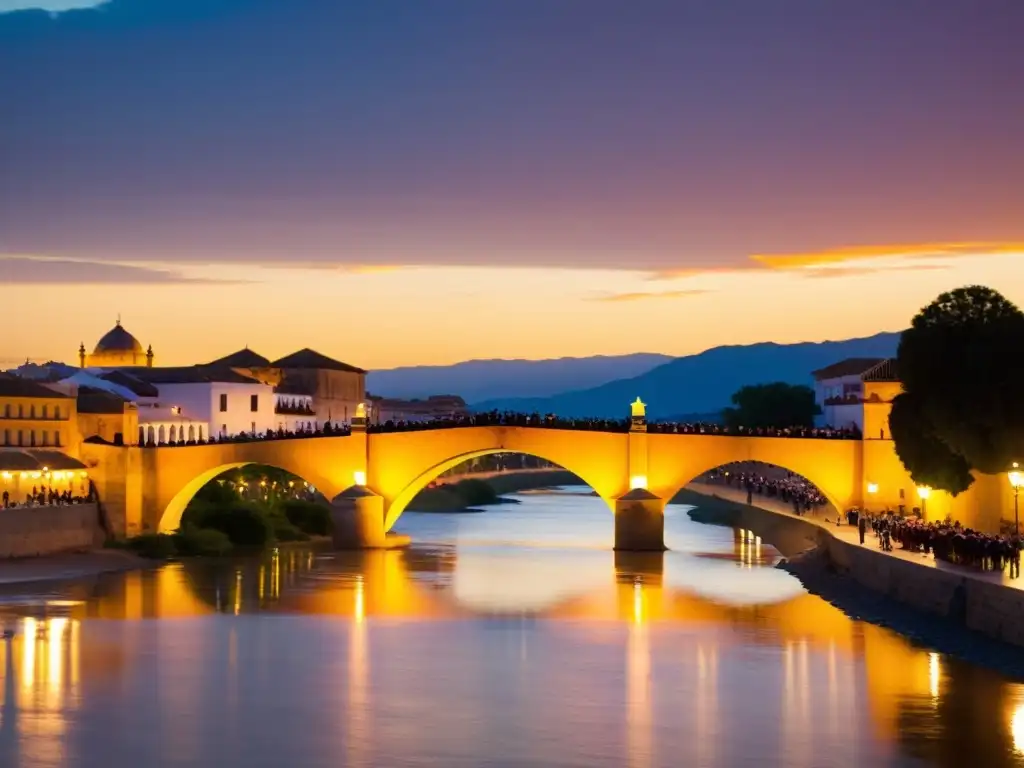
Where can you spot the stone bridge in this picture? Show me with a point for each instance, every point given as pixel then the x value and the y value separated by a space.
pixel 375 475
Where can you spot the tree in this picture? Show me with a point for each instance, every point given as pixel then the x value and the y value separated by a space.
pixel 960 365
pixel 777 405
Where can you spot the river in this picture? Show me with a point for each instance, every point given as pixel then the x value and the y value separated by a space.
pixel 512 637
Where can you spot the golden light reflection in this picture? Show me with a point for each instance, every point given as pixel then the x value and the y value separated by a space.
pixel 638 681
pixel 707 704
pixel 1017 728
pixel 29 628
pixel 238 591
pixel 359 609
pixel 934 675
pixel 359 726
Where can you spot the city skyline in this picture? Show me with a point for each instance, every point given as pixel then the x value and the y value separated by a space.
pixel 400 185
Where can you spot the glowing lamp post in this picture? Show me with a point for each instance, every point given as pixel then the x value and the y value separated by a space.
pixel 923 491
pixel 638 416
pixel 1016 480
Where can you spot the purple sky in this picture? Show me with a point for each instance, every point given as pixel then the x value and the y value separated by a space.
pixel 577 133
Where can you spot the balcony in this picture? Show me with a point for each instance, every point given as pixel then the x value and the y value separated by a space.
pixel 288 407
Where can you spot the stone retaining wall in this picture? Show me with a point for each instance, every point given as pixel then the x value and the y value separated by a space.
pixel 32 531
pixel 993 609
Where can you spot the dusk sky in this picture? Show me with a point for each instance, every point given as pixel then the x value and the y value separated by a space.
pixel 428 181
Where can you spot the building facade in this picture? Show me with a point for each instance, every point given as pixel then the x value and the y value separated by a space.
pixel 33 415
pixel 850 394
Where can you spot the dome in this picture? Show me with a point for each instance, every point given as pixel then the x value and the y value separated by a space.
pixel 117 339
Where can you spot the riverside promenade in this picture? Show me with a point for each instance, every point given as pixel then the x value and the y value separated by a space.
pixel 985 601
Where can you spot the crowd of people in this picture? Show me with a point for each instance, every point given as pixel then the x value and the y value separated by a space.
pixel 47 497
pixel 533 420
pixel 950 542
pixel 771 483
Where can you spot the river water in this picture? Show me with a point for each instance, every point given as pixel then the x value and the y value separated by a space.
pixel 513 637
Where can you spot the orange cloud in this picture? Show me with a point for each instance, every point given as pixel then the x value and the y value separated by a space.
pixel 641 296
pixel 894 251
pixel 826 272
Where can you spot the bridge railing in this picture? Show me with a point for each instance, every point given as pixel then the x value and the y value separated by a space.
pixel 536 421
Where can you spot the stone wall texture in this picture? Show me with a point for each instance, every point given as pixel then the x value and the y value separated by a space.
pixel 994 610
pixel 32 531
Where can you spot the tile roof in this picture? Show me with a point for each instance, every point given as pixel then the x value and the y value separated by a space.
pixel 884 371
pixel 92 400
pixel 15 386
pixel 853 366
pixel 308 358
pixel 243 358
pixel 25 460
pixel 129 381
pixel 190 374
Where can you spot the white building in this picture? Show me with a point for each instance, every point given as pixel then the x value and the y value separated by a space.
pixel 197 402
pixel 839 389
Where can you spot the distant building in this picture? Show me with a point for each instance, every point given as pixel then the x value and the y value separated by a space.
pixel 858 392
pixel 117 349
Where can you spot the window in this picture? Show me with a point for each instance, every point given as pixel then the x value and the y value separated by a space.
pixel 7 411
pixel 32 437
pixel 46 411
pixel 56 438
pixel 32 411
pixel 46 437
pixel 21 438
pixel 254 427
pixel 254 404
pixel 223 403
pixel 56 411
pixel 21 411
pixel 7 437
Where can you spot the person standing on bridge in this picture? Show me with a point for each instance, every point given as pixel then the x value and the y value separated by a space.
pixel 862 527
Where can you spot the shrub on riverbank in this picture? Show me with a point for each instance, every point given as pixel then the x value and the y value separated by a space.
pixel 244 523
pixel 309 517
pixel 201 542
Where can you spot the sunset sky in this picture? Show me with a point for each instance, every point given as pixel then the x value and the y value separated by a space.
pixel 426 181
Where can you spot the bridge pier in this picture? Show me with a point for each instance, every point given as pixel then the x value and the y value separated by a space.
pixel 358 517
pixel 640 522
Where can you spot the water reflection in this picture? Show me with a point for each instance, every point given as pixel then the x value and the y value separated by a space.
pixel 469 654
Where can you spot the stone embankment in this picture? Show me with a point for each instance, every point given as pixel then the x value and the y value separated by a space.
pixel 816 550
pixel 34 531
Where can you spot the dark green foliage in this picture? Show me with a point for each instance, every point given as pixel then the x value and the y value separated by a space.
pixel 201 542
pixel 244 523
pixel 308 516
pixel 476 492
pixel 961 366
pixel 284 531
pixel 928 459
pixel 772 405
pixel 157 546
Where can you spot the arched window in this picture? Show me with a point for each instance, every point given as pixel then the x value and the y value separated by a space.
pixel 191 433
pixel 142 435
pixel 161 436
pixel 56 437
pixel 56 411
pixel 32 411
pixel 31 437
pixel 46 411
pixel 151 439
pixel 173 435
pixel 200 432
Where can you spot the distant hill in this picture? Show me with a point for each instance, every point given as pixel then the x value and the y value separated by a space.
pixel 703 383
pixel 477 380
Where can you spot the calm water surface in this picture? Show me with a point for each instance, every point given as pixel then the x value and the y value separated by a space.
pixel 509 638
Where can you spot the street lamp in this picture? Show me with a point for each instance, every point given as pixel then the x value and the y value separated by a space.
pixel 923 491
pixel 1016 480
pixel 872 490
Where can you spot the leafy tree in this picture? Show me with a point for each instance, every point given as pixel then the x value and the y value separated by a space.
pixel 929 460
pixel 772 405
pixel 960 365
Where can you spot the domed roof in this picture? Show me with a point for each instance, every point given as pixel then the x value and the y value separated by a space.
pixel 117 339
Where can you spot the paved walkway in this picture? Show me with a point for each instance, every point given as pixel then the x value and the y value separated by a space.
pixel 850 535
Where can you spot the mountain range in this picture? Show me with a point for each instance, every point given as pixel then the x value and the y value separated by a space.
pixel 703 383
pixel 477 380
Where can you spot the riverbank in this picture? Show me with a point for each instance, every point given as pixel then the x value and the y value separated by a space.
pixel 832 563
pixel 470 493
pixel 68 566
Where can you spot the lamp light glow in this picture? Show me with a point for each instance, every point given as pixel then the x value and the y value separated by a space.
pixel 637 481
pixel 1016 476
pixel 359 477
pixel 924 491
pixel 638 408
pixel 872 487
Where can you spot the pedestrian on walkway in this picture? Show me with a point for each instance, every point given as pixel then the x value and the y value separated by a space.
pixel 862 527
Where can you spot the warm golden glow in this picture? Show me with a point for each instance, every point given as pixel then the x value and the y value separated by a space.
pixel 638 408
pixel 359 477
pixel 872 487
pixel 1016 477
pixel 637 481
pixel 1017 728
pixel 923 491
pixel 28 652
pixel 934 675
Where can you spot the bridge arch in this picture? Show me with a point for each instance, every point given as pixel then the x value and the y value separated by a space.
pixel 599 459
pixel 401 501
